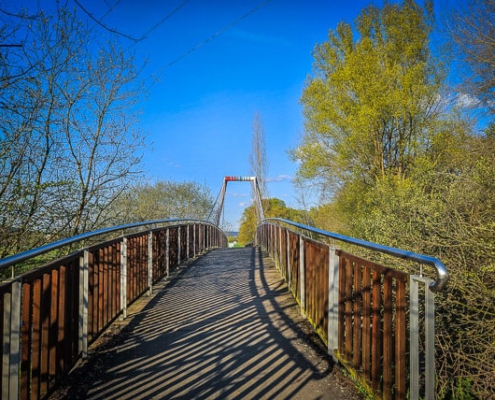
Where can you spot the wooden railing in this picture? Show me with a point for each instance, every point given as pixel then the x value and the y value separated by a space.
pixel 372 323
pixel 366 313
pixel 50 315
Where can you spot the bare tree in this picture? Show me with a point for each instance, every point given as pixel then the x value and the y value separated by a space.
pixel 258 159
pixel 472 29
pixel 67 117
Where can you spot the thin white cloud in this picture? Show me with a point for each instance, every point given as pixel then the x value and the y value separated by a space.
pixel 280 178
pixel 465 100
pixel 171 163
pixel 255 37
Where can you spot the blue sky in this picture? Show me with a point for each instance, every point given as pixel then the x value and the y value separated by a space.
pixel 198 116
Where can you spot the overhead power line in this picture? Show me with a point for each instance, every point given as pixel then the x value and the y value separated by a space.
pixel 99 21
pixel 165 18
pixel 218 33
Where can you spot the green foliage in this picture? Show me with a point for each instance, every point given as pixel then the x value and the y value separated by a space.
pixel 273 208
pixel 371 104
pixel 163 199
pixel 407 171
pixel 446 210
pixel 463 390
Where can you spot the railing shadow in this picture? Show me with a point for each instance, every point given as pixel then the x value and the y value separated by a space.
pixel 224 326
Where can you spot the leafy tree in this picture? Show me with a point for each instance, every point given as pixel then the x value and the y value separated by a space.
pixel 326 217
pixel 407 170
pixel 448 211
pixel 373 100
pixel 274 208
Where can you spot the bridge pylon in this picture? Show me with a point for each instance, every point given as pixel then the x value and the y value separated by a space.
pixel 216 212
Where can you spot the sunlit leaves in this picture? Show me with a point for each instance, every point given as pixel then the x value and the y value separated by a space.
pixel 373 97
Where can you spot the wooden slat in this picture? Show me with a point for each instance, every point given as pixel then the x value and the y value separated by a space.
pixel 400 342
pixel 92 296
pixel 341 313
pixel 348 310
pixel 106 285
pixel 69 305
pixel 63 324
pixel 376 336
pixel 26 338
pixel 294 263
pixel 366 321
pixel 53 327
pixel 36 340
pixel 45 333
pixel 100 289
pixel 388 344
pixel 357 313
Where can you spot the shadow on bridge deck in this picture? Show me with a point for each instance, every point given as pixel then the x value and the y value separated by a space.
pixel 223 327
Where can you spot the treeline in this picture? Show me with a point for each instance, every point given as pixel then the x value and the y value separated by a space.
pixel 272 208
pixel 402 157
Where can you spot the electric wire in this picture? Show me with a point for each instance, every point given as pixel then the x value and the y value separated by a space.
pixel 216 34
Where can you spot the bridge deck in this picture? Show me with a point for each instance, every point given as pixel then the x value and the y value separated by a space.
pixel 223 327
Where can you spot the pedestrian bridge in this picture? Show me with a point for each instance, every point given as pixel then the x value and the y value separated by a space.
pixel 223 326
pixel 215 322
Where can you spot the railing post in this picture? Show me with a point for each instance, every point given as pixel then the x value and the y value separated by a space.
pixel 430 341
pixel 194 240
pixel 414 339
pixel 167 252
pixel 123 277
pixel 11 342
pixel 287 258
pixel 302 275
pixel 83 303
pixel 333 302
pixel 429 338
pixel 150 263
pixel 187 241
pixel 178 245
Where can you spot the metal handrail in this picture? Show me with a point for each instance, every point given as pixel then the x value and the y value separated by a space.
pixel 441 270
pixel 17 258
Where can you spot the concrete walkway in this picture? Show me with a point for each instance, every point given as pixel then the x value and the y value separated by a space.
pixel 223 327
